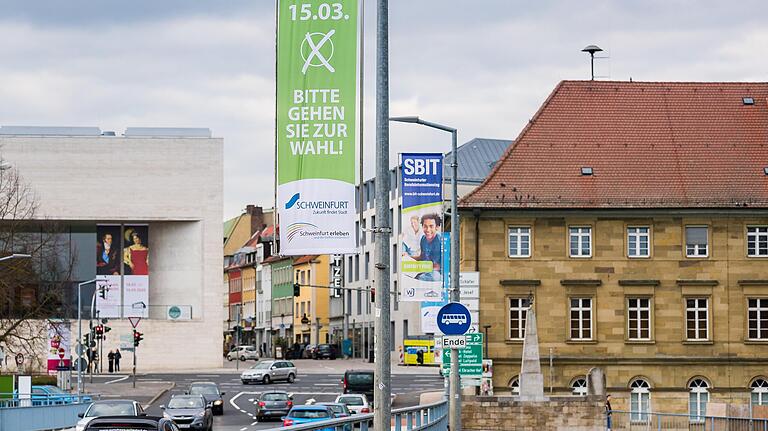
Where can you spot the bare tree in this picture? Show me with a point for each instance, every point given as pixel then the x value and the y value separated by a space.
pixel 35 290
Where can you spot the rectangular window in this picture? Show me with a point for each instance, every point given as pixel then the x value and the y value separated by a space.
pixel 758 318
pixel 696 319
pixel 518 312
pixel 363 233
pixel 373 226
pixel 696 240
pixel 350 267
pixel 519 241
pixel 638 240
pixel 396 296
pixel 580 241
pixel 405 328
pixel 639 318
pixel 757 241
pixel 391 217
pixel 357 234
pixel 367 264
pixel 581 318
pixel 359 302
pixel 357 267
pixel 394 258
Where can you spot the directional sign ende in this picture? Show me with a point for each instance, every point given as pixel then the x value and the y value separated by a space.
pixel 453 319
pixel 454 342
pixel 470 357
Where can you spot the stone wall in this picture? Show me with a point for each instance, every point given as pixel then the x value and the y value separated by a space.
pixel 558 413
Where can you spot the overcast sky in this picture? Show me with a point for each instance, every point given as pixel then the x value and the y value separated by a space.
pixel 483 66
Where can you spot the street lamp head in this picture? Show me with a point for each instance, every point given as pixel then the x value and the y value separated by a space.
pixel 410 119
pixel 592 49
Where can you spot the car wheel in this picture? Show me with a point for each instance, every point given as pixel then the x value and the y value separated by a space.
pixel 245 382
pixel 291 378
pixel 242 358
pixel 267 380
pixel 229 358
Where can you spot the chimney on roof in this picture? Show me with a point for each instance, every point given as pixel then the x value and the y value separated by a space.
pixel 256 214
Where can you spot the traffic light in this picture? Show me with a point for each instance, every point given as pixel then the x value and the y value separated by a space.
pixel 296 289
pixel 106 329
pixel 137 337
pixel 99 330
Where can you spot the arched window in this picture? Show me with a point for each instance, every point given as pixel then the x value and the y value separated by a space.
pixel 514 385
pixel 698 399
pixel 759 388
pixel 579 386
pixel 639 400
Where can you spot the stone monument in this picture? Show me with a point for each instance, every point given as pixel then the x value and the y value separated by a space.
pixel 531 379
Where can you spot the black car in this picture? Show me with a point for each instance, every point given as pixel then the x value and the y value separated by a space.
pixel 273 404
pixel 189 412
pixel 358 382
pixel 131 423
pixel 209 391
pixel 325 351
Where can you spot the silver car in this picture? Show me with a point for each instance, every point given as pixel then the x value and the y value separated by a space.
pixel 109 408
pixel 243 353
pixel 269 371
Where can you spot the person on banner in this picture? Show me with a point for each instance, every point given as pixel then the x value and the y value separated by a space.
pixel 107 256
pixel 136 256
pixel 118 355
pixel 412 237
pixel 431 247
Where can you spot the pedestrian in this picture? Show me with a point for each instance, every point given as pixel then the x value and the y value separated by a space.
pixel 608 412
pixel 95 359
pixel 111 357
pixel 118 355
pixel 261 351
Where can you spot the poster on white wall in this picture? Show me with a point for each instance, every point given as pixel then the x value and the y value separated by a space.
pixel 108 296
pixel 59 337
pixel 136 296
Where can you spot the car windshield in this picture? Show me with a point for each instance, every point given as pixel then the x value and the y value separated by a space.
pixel 261 366
pixel 337 408
pixel 53 390
pixel 360 378
pixel 111 409
pixel 274 397
pixel 309 414
pixel 352 401
pixel 203 390
pixel 185 403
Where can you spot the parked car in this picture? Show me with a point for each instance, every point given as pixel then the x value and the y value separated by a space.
pixel 273 404
pixel 358 382
pixel 243 353
pixel 189 411
pixel 307 414
pixel 356 403
pixel 211 394
pixel 309 350
pixel 131 423
pixel 325 351
pixel 268 371
pixel 109 408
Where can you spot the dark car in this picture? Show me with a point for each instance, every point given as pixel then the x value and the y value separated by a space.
pixel 273 404
pixel 189 412
pixel 209 391
pixel 325 351
pixel 358 382
pixel 131 423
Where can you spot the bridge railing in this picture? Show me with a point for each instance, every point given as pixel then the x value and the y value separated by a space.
pixel 42 412
pixel 428 417
pixel 624 420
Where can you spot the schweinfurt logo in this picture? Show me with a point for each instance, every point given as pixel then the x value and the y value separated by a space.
pixel 292 201
pixel 295 201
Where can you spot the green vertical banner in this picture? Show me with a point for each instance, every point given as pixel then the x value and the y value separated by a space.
pixel 316 117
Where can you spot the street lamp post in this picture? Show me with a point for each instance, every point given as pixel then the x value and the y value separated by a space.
pixel 80 335
pixel 453 401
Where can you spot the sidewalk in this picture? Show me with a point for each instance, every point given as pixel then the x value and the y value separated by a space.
pixel 145 392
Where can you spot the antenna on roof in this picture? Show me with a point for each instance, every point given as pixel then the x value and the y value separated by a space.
pixel 592 49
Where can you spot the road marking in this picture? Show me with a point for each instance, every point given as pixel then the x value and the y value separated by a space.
pixel 243 428
pixel 117 380
pixel 254 423
pixel 326 384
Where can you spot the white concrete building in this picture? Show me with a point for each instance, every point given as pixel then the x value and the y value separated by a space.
pixel 170 180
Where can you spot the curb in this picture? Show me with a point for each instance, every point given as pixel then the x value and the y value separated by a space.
pixel 161 393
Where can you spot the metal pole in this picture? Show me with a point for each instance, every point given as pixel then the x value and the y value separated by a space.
pixel 592 64
pixel 454 401
pixel 135 349
pixel 90 334
pixel 237 335
pixel 382 404
pixel 80 341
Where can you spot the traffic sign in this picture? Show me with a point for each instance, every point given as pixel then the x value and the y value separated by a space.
pixel 453 319
pixel 134 321
pixel 454 342
pixel 62 352
pixel 470 358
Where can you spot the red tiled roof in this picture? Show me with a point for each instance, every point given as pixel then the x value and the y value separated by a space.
pixel 304 259
pixel 650 144
pixel 275 258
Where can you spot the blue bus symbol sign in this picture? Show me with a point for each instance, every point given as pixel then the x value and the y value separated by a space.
pixel 454 319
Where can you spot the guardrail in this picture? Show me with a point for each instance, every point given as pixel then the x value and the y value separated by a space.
pixel 42 412
pixel 623 420
pixel 429 417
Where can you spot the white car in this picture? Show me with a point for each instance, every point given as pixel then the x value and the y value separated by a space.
pixel 356 403
pixel 243 353
pixel 109 408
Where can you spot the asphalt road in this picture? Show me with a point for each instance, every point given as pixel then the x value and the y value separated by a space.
pixel 239 398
